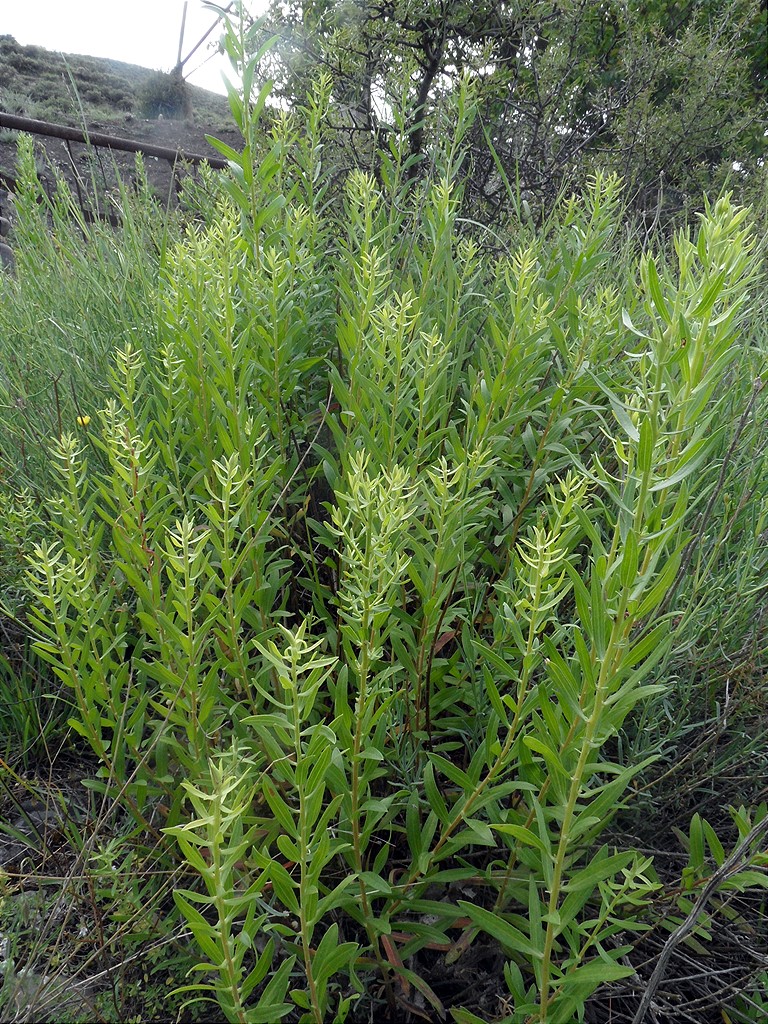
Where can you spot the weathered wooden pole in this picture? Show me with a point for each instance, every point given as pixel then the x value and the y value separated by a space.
pixel 181 35
pixel 62 131
pixel 200 41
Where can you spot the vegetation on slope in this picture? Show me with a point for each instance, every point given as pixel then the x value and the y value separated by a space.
pixel 63 88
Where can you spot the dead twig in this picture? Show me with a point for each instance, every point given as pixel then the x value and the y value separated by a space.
pixel 735 862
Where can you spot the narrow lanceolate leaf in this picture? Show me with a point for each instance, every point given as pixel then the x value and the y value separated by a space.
pixel 332 956
pixel 279 808
pixel 413 826
pixel 598 869
pixel 271 1005
pixel 523 835
pixel 582 981
pixel 494 696
pixel 628 570
pixel 657 592
pixel 580 593
pixel 551 757
pixel 647 444
pixel 205 934
pixel 510 937
pixel 623 419
pixel 259 972
pixel 434 796
pixel 627 321
pixel 657 638
pixel 452 772
pixel 709 297
pixel 653 285
pixel 689 461
pixel 284 886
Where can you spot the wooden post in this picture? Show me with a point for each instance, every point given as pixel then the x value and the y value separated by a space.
pixel 200 41
pixel 61 131
pixel 181 35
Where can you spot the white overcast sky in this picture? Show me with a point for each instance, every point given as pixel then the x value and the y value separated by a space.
pixel 142 32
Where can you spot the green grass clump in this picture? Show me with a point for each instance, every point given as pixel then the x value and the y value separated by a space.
pixel 80 290
pixel 371 551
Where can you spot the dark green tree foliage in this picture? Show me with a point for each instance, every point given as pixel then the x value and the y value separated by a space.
pixel 165 95
pixel 671 95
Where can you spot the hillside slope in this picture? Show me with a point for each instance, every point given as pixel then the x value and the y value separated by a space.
pixel 102 95
pixel 40 83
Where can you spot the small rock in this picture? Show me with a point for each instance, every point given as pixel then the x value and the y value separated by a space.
pixel 5 226
pixel 6 257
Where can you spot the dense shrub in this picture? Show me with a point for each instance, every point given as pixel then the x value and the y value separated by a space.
pixel 164 95
pixel 364 562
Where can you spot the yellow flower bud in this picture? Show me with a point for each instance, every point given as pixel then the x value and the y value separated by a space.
pixel 83 421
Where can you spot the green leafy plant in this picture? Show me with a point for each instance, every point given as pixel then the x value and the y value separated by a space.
pixel 407 527
pixel 213 842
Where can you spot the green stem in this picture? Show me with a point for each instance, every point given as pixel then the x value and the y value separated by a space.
pixel 230 968
pixel 362 700
pixel 620 630
pixel 607 669
pixel 304 840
